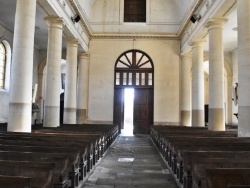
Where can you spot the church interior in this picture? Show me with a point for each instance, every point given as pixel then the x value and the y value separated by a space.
pixel 80 79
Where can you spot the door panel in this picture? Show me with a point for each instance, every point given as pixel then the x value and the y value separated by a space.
pixel 118 117
pixel 143 110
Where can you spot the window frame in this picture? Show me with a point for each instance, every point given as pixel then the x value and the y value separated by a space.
pixel 3 64
pixel 134 18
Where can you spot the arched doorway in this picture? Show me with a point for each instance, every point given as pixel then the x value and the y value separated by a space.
pixel 134 69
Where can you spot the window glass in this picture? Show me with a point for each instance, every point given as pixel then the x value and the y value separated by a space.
pixel 2 65
pixel 134 10
pixel 124 78
pixel 117 78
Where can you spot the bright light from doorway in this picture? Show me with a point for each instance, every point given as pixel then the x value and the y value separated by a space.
pixel 128 112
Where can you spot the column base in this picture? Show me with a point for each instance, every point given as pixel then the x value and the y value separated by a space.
pixel 51 116
pixel 216 119
pixel 81 116
pixel 198 118
pixel 186 118
pixel 69 116
pixel 19 119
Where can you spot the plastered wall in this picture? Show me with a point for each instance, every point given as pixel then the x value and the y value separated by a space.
pixel 165 56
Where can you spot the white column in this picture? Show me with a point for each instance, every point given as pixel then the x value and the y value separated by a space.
pixel 69 116
pixel 197 83
pixel 19 119
pixel 186 61
pixel 216 121
pixel 53 79
pixel 83 85
pixel 243 20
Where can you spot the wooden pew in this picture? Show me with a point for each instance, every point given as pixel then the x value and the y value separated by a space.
pixel 41 174
pixel 14 181
pixel 61 162
pixel 58 143
pixel 187 158
pixel 223 177
pixel 242 144
pixel 200 166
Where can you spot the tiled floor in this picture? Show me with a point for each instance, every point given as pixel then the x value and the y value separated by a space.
pixel 132 161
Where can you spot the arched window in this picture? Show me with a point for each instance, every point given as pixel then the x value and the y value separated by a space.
pixel 134 68
pixel 2 65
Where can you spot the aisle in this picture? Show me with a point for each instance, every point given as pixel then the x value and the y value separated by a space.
pixel 132 161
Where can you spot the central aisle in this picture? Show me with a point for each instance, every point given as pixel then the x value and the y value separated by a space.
pixel 132 161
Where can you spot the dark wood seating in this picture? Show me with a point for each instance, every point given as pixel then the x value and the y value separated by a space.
pixel 223 177
pixel 200 166
pixel 187 158
pixel 72 150
pixel 41 174
pixel 190 151
pixel 14 181
pixel 61 162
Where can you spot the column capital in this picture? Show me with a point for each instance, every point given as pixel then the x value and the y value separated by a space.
pixel 84 55
pixel 197 42
pixel 53 20
pixel 216 22
pixel 185 54
pixel 72 40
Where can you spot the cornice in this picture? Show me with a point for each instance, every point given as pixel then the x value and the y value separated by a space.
pixel 134 36
pixel 74 4
pixel 186 22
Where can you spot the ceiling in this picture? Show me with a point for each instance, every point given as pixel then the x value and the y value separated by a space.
pixel 7 17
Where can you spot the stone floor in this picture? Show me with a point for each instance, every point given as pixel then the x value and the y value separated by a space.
pixel 132 161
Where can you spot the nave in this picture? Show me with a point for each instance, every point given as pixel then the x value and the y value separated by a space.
pixel 132 161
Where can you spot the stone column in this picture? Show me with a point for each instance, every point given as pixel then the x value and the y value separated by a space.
pixel 186 89
pixel 243 18
pixel 83 85
pixel 197 83
pixel 53 79
pixel 216 120
pixel 69 116
pixel 20 97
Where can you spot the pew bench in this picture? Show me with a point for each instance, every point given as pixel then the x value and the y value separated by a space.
pixel 200 166
pixel 223 177
pixel 41 174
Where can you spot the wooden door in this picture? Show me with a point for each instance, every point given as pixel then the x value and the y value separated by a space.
pixel 118 117
pixel 143 110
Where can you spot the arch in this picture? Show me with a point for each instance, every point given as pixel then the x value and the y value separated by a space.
pixel 7 47
pixel 134 68
pixel 41 85
pixel 227 90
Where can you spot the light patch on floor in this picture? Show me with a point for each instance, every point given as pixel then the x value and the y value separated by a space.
pixel 125 159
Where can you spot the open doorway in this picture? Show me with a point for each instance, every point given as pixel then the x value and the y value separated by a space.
pixel 128 112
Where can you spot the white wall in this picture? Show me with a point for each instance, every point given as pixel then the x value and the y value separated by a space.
pixel 165 56
pixel 163 16
pixel 4 93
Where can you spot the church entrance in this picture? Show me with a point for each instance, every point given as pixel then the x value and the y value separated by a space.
pixel 134 75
